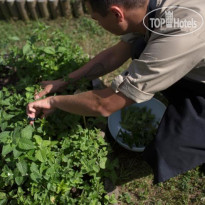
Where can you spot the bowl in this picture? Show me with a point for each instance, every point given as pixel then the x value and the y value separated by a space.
pixel 157 108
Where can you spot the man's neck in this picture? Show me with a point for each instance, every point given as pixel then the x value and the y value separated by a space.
pixel 135 18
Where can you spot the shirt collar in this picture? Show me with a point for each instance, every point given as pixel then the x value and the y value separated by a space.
pixel 152 5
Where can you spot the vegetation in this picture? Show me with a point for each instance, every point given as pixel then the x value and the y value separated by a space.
pixel 138 126
pixel 56 161
pixel 30 156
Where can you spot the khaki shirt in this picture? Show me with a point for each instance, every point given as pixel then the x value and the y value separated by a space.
pixel 166 59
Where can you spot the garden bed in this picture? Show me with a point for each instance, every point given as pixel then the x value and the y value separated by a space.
pixel 58 160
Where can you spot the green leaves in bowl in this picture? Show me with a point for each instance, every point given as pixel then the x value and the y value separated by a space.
pixel 138 126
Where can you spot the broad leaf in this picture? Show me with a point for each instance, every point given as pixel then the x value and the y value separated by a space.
pixel 22 167
pixel 35 175
pixel 49 50
pixel 2 195
pixel 41 155
pixel 3 201
pixel 16 153
pixel 27 132
pixel 103 162
pixel 6 150
pixel 26 49
pixel 19 180
pixel 62 49
pixel 30 89
pixel 46 143
pixel 4 125
pixel 4 136
pixel 7 116
pixel 16 135
pixel 38 139
pixel 49 172
pixel 26 144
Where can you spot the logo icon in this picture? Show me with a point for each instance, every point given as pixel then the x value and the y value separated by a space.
pixel 169 16
pixel 168 20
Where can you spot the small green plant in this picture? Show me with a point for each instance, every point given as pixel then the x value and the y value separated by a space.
pixel 125 197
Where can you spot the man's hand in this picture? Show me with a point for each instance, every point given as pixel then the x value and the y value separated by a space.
pixel 43 107
pixel 51 87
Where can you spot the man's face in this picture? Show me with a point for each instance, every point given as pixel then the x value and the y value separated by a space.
pixel 110 22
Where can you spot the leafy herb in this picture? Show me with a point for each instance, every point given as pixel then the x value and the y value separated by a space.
pixel 43 58
pixel 139 126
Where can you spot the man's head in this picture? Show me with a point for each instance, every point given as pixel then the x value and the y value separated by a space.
pixel 118 16
pixel 102 6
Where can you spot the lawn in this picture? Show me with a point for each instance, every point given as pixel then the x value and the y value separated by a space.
pixel 133 184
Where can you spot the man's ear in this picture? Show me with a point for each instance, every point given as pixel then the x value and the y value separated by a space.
pixel 118 12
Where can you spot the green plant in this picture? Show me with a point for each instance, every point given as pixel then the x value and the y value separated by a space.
pixel 43 58
pixel 50 163
pixel 55 161
pixel 125 197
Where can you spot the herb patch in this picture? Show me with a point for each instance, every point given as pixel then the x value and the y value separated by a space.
pixel 56 161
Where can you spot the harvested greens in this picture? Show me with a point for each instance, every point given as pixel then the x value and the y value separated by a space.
pixel 138 126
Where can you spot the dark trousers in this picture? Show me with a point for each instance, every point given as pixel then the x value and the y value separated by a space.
pixel 180 141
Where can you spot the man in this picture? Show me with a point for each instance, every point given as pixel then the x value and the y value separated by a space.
pixel 172 63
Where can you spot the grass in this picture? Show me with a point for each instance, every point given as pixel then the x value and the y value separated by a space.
pixel 136 188
pixel 83 31
pixel 134 175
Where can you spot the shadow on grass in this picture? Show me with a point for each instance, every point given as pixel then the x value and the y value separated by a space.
pixel 131 164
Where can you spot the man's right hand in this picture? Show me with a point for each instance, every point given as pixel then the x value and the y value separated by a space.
pixel 51 87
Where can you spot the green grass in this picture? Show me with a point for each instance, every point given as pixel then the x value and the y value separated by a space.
pixel 134 175
pixel 83 31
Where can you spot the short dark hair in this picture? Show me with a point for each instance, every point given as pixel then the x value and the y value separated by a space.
pixel 102 6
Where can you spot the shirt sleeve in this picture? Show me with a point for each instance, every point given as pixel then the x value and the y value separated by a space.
pixel 165 60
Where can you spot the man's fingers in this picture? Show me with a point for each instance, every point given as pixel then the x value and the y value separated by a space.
pixel 32 113
pixel 41 94
pixel 44 83
pixel 30 110
pixel 33 109
pixel 45 90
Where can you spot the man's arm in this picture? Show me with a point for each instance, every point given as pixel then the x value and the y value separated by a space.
pixel 105 62
pixel 91 103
